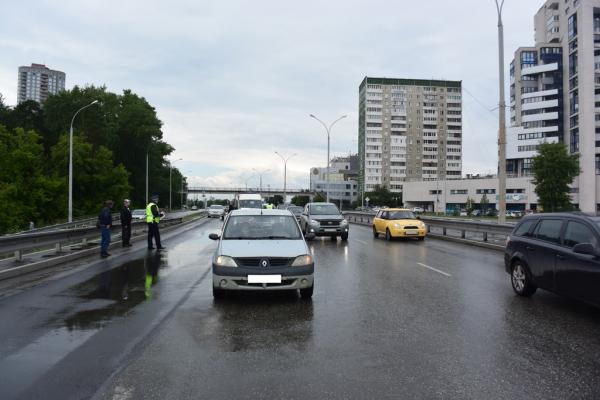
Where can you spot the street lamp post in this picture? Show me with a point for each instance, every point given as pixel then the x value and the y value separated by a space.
pixel 170 173
pixel 285 160
pixel 247 179
pixel 187 172
pixel 502 121
pixel 260 174
pixel 70 212
pixel 328 130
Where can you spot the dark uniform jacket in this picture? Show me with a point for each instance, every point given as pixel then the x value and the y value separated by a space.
pixel 125 216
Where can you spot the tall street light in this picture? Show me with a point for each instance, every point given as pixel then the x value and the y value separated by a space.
pixel 502 122
pixel 328 130
pixel 187 172
pixel 247 179
pixel 70 213
pixel 260 174
pixel 170 173
pixel 285 160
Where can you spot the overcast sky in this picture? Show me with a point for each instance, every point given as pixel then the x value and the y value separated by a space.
pixel 234 81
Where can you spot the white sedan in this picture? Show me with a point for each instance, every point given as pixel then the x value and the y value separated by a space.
pixel 216 211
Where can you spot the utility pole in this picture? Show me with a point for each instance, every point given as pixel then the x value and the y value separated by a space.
pixel 285 160
pixel 502 122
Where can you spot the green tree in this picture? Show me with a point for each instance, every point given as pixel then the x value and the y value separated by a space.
pixel 300 200
pixel 95 177
pixel 470 205
pixel 319 198
pixel 553 171
pixel 381 196
pixel 27 193
pixel 484 203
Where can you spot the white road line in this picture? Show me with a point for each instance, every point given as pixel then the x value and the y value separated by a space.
pixel 360 241
pixel 434 269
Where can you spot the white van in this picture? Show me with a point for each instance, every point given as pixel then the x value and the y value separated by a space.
pixel 248 201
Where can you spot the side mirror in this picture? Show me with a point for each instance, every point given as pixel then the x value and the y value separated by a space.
pixel 584 248
pixel 214 236
pixel 310 236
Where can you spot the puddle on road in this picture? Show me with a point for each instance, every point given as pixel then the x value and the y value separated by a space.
pixel 113 293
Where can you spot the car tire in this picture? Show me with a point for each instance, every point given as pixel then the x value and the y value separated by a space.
pixel 422 238
pixel 344 237
pixel 388 235
pixel 375 233
pixel 218 294
pixel 308 292
pixel 520 280
pixel 334 238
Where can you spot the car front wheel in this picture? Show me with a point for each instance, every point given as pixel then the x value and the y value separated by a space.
pixel 308 292
pixel 218 293
pixel 344 236
pixel 520 280
pixel 375 233
pixel 388 235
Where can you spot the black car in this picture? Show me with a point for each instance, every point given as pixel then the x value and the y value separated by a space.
pixel 324 219
pixel 557 252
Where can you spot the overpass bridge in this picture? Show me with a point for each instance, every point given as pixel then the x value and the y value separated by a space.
pixel 241 190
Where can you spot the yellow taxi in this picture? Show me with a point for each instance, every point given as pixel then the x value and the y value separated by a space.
pixel 398 222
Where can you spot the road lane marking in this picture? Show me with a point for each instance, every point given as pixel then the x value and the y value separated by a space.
pixel 434 269
pixel 360 241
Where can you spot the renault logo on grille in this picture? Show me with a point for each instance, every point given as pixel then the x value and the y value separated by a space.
pixel 264 263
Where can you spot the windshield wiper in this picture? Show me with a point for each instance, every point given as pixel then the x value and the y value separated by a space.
pixel 273 237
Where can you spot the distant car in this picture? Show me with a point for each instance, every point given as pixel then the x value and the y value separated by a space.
pixel 216 211
pixel 262 250
pixel 296 211
pixel 559 252
pixel 476 213
pixel 418 210
pixel 194 208
pixel 463 213
pixel 324 219
pixel 139 214
pixel 398 223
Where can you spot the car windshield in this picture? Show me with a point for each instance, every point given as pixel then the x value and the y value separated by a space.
pixel 216 207
pixel 250 204
pixel 136 212
pixel 256 227
pixel 402 215
pixel 296 210
pixel 323 209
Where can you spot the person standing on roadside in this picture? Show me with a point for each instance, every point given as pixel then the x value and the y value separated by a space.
pixel 126 223
pixel 153 219
pixel 105 223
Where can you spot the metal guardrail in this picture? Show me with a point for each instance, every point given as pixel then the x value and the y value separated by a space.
pixel 468 230
pixel 19 243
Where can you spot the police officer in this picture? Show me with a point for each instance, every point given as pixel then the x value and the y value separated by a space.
pixel 126 223
pixel 152 219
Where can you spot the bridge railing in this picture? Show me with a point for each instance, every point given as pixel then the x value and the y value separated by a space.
pixel 17 245
pixel 490 234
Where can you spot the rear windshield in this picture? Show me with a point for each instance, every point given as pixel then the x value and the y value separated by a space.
pixel 323 209
pixel 256 227
pixel 402 215
pixel 217 207
pixel 139 211
pixel 296 210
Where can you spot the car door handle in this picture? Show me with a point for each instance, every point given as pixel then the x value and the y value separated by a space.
pixel 560 257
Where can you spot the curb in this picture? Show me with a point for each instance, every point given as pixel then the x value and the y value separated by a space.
pixel 38 265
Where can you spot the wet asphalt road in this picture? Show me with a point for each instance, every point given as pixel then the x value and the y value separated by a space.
pixel 395 320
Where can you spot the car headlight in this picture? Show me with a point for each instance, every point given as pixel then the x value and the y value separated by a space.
pixel 225 261
pixel 422 225
pixel 302 261
pixel 344 222
pixel 314 222
pixel 397 226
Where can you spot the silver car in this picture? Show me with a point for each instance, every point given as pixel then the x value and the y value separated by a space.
pixel 262 250
pixel 216 211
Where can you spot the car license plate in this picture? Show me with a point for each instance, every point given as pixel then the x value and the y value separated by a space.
pixel 264 278
pixel 412 232
pixel 330 229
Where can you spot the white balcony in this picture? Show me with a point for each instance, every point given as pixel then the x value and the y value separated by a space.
pixel 538 69
pixel 540 104
pixel 540 117
pixel 540 93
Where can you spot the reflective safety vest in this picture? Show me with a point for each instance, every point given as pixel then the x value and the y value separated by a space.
pixel 270 206
pixel 149 217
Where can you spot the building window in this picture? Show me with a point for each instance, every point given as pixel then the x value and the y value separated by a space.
pixel 597 164
pixel 572 28
pixel 574 140
pixel 434 192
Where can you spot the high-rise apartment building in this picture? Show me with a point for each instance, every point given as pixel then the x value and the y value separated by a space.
pixel 37 82
pixel 409 129
pixel 555 90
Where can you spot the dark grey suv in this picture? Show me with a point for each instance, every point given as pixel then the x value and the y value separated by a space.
pixel 556 252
